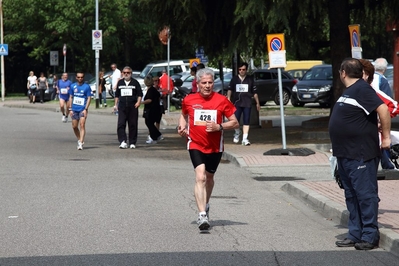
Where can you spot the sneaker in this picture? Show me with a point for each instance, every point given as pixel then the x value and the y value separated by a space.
pixel 245 142
pixel 160 138
pixel 105 105
pixel 80 145
pixel 237 137
pixel 207 211
pixel 364 245
pixel 345 243
pixel 203 223
pixel 123 145
pixel 64 119
pixel 101 105
pixel 149 138
pixel 132 146
pixel 151 141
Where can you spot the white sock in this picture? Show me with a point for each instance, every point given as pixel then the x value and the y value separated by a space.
pixel 245 136
pixel 202 213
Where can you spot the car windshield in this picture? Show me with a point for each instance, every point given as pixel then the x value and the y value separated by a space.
pixel 145 71
pixel 318 74
pixel 227 77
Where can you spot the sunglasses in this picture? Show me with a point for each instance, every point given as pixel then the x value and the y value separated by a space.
pixel 126 72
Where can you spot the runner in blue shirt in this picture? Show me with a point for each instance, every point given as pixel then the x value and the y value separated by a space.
pixel 79 102
pixel 63 85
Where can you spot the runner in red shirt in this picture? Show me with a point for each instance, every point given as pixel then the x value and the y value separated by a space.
pixel 202 123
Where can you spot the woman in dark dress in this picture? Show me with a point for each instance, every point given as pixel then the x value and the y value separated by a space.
pixel 151 110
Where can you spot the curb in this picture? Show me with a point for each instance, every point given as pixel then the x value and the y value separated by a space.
pixel 389 240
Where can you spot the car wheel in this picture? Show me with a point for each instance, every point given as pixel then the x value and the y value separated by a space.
pixel 296 103
pixel 286 97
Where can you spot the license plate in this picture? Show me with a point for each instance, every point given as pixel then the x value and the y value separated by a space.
pixel 306 96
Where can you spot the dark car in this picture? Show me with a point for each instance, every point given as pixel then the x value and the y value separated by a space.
pixel 218 85
pixel 266 81
pixel 314 87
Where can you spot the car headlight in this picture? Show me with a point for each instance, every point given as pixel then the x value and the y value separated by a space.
pixel 294 89
pixel 325 88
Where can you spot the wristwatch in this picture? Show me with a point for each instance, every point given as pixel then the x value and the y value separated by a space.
pixel 220 127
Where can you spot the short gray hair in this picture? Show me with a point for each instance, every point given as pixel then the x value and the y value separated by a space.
pixel 205 72
pixel 380 64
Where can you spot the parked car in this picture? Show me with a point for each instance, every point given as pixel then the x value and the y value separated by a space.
pixel 297 73
pixel 185 78
pixel 266 81
pixel 217 86
pixel 156 68
pixel 314 87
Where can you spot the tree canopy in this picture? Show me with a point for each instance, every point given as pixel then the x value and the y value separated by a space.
pixel 313 30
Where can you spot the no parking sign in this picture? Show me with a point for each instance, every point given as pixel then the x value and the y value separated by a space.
pixel 276 48
pixel 354 33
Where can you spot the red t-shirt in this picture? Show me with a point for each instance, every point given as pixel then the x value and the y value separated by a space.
pixel 200 109
pixel 194 85
pixel 163 83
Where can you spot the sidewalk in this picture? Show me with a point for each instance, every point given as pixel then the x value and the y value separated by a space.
pixel 324 196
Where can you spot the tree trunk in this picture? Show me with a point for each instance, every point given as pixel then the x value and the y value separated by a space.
pixel 338 14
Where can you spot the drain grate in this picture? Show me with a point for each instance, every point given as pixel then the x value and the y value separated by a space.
pixel 290 152
pixel 277 178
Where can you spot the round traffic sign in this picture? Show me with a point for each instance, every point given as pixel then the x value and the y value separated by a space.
pixel 276 44
pixel 97 34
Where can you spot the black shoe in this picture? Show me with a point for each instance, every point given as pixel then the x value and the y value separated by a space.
pixel 345 243
pixel 364 245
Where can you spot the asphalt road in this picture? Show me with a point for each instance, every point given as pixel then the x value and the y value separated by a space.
pixel 106 206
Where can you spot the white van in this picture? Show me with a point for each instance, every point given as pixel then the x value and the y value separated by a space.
pixel 156 68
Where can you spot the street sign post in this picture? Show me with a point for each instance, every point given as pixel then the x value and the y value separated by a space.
pixel 277 59
pixel 64 52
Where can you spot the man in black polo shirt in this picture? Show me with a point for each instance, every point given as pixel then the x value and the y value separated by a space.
pixel 355 141
pixel 128 96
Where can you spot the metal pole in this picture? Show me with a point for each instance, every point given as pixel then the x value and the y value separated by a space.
pixel 64 51
pixel 168 70
pixel 280 91
pixel 97 56
pixel 3 83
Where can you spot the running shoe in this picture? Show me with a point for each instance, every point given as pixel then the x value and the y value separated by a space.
pixel 149 137
pixel 207 211
pixel 151 141
pixel 237 137
pixel 80 145
pixel 160 138
pixel 64 119
pixel 101 105
pixel 132 146
pixel 203 223
pixel 105 105
pixel 123 145
pixel 245 142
